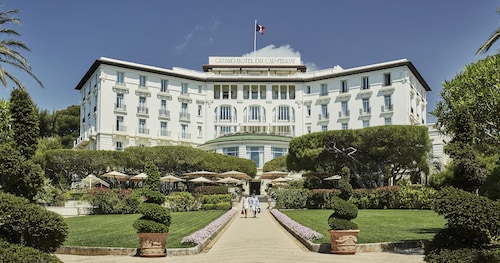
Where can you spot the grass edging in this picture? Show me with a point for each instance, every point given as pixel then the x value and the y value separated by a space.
pixel 368 247
pixel 100 251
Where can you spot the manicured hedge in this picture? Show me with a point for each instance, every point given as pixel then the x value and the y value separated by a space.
pixel 22 222
pixel 113 201
pixel 14 253
pixel 181 202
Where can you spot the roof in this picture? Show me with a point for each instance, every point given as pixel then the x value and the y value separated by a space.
pixel 203 76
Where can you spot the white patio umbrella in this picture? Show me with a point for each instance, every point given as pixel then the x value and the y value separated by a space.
pixel 201 173
pixel 116 175
pixel 91 180
pixel 229 180
pixel 273 175
pixel 333 177
pixel 171 179
pixel 236 174
pixel 201 179
pixel 139 177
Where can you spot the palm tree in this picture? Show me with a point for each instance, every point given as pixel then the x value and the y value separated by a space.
pixel 493 38
pixel 8 50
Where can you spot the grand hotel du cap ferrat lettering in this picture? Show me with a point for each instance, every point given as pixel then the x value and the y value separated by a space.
pixel 254 60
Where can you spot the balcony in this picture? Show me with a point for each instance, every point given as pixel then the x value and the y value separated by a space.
pixel 120 108
pixel 186 136
pixel 365 111
pixel 163 114
pixel 120 87
pixel 283 119
pixel 120 129
pixel 165 133
pixel 142 110
pixel 387 108
pixel 344 114
pixel 184 116
pixel 142 130
pixel 324 116
pixel 256 119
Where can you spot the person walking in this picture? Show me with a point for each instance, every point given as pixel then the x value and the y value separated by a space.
pixel 246 205
pixel 254 205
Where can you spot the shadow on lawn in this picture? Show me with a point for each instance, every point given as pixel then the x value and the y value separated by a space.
pixel 433 230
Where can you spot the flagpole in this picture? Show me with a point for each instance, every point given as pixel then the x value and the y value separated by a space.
pixel 254 37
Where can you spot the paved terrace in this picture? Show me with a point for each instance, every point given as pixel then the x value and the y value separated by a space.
pixel 260 239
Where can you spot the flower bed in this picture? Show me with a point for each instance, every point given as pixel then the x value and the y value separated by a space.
pixel 299 229
pixel 199 236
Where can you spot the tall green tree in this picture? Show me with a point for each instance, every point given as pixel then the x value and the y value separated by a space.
pixel 5 131
pixel 9 54
pixel 67 125
pixel 490 41
pixel 24 122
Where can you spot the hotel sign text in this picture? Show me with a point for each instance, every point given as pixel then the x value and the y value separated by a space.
pixel 254 61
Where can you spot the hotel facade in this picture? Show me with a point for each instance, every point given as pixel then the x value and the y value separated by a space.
pixel 248 107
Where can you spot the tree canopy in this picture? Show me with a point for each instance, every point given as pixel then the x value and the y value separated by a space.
pixel 374 155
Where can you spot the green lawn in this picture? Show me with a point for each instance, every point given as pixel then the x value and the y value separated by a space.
pixel 377 225
pixel 117 230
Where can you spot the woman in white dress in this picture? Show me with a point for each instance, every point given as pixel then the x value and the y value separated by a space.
pixel 246 205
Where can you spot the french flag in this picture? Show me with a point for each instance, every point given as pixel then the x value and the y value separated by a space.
pixel 259 28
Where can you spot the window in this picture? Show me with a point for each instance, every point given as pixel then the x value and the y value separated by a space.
pixel 366 105
pixel 200 132
pixel 164 85
pixel 278 152
pixel 324 128
pixel 291 92
pixel 365 83
pixel 308 129
pixel 255 92
pixel 200 89
pixel 345 126
pixel 119 146
pixel 246 92
pixel 275 92
pixel 119 101
pixel 225 92
pixel 163 107
pixel 200 111
pixel 225 130
pixel 142 126
pixel 256 154
pixel 119 123
pixel 307 90
pixel 262 92
pixel 163 128
pixel 343 86
pixel 120 77
pixel 387 79
pixel 324 111
pixel 254 113
pixel 283 91
pixel 388 102
pixel 142 81
pixel 142 105
pixel 345 109
pixel 324 90
pixel 366 123
pixel 231 151
pixel 184 132
pixel 184 110
pixel 308 111
pixel 225 112
pixel 184 88
pixel 283 113
pixel 388 121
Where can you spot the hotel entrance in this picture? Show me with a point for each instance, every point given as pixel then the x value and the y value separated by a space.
pixel 255 187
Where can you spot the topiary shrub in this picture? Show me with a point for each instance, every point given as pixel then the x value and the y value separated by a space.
pixel 344 211
pixel 31 225
pixel 15 253
pixel 155 217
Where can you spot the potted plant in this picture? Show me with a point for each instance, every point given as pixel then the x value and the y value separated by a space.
pixel 343 232
pixel 152 226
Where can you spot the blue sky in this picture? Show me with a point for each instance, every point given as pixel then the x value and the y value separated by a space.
pixel 65 37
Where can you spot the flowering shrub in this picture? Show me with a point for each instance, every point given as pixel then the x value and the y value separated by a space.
pixel 200 235
pixel 299 229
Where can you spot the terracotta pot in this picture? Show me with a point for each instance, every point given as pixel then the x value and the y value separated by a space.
pixel 343 241
pixel 153 244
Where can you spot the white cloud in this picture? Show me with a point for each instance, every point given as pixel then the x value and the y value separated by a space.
pixel 281 51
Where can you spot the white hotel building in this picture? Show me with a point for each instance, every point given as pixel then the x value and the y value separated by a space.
pixel 243 106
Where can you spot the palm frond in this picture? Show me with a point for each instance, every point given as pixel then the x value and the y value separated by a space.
pixel 491 40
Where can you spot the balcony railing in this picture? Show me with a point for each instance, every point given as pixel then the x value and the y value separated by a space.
pixel 165 133
pixel 142 130
pixel 142 110
pixel 121 128
pixel 344 114
pixel 184 115
pixel 365 111
pixel 324 116
pixel 185 135
pixel 164 113
pixel 385 108
pixel 120 107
